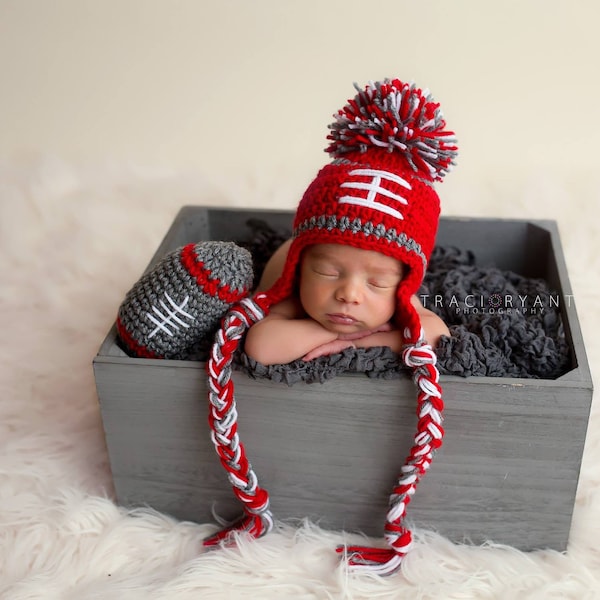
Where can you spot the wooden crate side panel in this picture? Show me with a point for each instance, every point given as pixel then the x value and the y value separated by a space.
pixel 495 243
pixel 510 463
pixel 508 470
pixel 232 224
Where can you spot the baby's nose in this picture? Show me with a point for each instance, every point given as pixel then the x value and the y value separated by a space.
pixel 349 291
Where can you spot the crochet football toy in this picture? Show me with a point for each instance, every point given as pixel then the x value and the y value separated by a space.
pixel 181 300
pixel 389 146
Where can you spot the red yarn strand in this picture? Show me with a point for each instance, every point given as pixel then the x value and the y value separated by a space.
pixel 223 423
pixel 211 286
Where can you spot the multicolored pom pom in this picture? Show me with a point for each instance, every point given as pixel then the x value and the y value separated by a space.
pixel 397 117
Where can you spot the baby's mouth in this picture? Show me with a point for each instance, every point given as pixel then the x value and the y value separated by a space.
pixel 341 319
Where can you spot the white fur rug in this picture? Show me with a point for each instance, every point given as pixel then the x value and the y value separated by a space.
pixel 72 241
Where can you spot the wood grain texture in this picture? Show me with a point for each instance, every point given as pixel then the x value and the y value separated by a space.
pixel 508 470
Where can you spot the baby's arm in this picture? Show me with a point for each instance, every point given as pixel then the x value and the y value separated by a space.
pixel 281 337
pixel 364 339
pixel 433 326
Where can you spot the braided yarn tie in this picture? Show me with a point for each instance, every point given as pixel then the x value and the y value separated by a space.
pixel 258 519
pixel 385 561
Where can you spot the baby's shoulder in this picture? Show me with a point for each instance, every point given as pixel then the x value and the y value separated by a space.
pixel 290 308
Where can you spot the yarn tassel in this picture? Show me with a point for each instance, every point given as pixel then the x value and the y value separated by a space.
pixel 378 561
pixel 386 561
pixel 254 525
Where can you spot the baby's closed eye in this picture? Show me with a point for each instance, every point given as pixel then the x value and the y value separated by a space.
pixel 326 270
pixel 383 284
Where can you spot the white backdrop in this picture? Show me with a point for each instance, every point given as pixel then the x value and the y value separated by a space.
pixel 241 91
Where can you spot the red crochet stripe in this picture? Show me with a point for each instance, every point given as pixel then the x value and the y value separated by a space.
pixel 139 350
pixel 210 285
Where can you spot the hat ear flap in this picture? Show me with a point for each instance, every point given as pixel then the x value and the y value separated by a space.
pixel 406 315
pixel 286 285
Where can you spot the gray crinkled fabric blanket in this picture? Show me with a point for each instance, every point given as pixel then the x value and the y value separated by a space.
pixel 501 325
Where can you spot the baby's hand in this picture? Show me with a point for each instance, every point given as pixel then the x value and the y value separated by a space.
pixel 329 348
pixel 344 340
pixel 361 334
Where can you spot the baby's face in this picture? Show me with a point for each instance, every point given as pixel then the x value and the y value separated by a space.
pixel 348 289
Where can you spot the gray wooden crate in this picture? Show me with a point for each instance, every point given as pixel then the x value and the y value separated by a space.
pixel 508 469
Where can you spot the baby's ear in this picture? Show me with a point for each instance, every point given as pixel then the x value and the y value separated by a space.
pixel 180 302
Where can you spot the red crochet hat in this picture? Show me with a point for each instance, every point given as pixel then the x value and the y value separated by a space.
pixel 389 146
